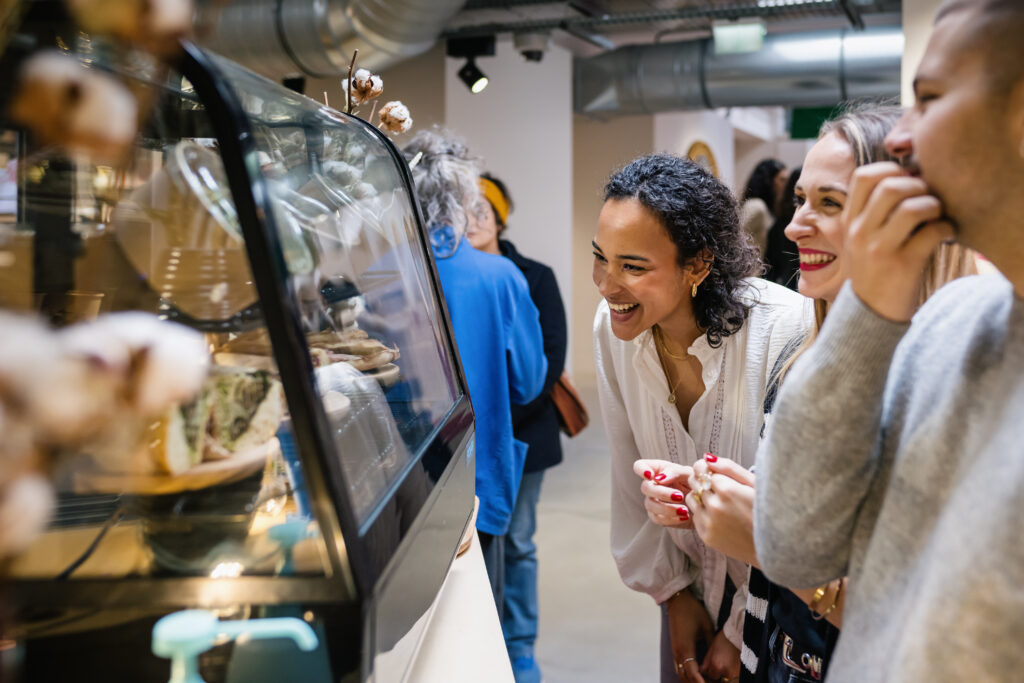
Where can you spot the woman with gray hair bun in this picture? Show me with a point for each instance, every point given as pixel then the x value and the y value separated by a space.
pixel 445 174
pixel 497 330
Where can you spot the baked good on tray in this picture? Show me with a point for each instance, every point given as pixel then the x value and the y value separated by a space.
pixel 354 346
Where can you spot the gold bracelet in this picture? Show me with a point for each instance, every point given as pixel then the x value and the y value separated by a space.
pixel 835 601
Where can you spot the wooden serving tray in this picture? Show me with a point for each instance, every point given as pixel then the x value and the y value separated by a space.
pixel 203 475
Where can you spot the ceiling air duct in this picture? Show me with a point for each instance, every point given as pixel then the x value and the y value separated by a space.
pixel 795 69
pixel 280 38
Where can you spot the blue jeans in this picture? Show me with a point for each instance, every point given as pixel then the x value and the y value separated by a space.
pixel 520 615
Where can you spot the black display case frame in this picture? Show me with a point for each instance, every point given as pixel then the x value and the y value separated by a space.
pixel 387 570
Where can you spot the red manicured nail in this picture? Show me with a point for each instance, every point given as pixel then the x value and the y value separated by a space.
pixel 660 477
pixel 710 458
pixel 677 497
pixel 683 513
pixel 647 474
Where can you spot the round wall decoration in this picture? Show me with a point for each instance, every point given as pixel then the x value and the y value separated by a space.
pixel 701 153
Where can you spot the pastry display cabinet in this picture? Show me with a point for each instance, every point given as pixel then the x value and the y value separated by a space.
pixel 326 472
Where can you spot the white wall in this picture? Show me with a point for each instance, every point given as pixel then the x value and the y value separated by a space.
pixel 599 148
pixel 918 16
pixel 522 126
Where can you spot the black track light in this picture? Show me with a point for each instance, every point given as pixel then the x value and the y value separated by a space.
pixel 469 49
pixel 472 76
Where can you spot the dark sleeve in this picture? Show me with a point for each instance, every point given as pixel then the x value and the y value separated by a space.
pixel 548 300
pixel 524 349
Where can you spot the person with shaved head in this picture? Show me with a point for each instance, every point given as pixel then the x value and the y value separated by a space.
pixel 895 453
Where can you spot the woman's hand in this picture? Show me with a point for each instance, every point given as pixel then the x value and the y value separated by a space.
pixel 721 504
pixel 688 625
pixel 722 662
pixel 664 488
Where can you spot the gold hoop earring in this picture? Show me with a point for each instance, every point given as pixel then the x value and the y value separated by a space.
pixel 693 292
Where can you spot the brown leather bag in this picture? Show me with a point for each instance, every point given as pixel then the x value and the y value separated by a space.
pixel 572 414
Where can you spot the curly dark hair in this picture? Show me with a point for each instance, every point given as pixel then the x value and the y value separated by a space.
pixel 699 213
pixel 761 184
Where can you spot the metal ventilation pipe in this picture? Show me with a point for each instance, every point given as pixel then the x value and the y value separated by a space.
pixel 798 69
pixel 280 38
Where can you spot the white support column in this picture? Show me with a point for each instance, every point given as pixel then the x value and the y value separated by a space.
pixel 599 148
pixel 918 16
pixel 521 124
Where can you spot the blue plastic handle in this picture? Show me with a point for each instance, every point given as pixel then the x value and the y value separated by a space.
pixel 183 636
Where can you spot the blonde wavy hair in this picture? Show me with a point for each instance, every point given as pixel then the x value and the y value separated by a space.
pixel 864 127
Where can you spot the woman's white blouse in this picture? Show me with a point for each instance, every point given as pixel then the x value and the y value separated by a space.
pixel 641 423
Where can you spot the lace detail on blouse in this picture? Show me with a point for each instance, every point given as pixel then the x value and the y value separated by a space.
pixel 670 437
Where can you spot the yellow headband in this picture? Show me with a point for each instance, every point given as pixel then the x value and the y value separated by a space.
pixel 496 198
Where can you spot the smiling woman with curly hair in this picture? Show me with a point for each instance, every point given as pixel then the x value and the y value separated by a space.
pixel 685 340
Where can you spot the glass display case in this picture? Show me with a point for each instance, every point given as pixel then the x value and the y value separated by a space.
pixel 325 471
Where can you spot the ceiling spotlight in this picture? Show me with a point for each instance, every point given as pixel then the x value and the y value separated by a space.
pixel 472 76
pixel 470 48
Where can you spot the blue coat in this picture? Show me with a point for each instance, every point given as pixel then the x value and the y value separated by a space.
pixel 497 330
pixel 536 423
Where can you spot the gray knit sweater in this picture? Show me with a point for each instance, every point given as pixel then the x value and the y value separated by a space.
pixel 896 456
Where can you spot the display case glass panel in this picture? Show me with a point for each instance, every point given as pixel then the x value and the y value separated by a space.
pixel 162 234
pixel 326 468
pixel 206 488
pixel 347 228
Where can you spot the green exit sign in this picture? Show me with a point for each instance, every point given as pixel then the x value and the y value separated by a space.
pixel 806 121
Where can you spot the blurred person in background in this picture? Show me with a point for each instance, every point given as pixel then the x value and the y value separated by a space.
pixel 899 433
pixel 496 326
pixel 781 261
pixel 683 342
pixel 535 424
pixel 761 200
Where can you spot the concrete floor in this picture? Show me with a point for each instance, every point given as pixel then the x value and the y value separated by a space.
pixel 592 628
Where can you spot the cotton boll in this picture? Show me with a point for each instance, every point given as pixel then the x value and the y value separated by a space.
pixel 170 361
pixel 86 111
pixel 365 86
pixel 26 506
pixel 95 342
pixel 62 398
pixel 155 25
pixel 395 117
pixel 71 400
pixel 341 173
pixel 173 373
pixel 364 191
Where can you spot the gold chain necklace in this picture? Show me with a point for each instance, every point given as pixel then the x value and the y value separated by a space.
pixel 659 338
pixel 659 343
pixel 672 394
